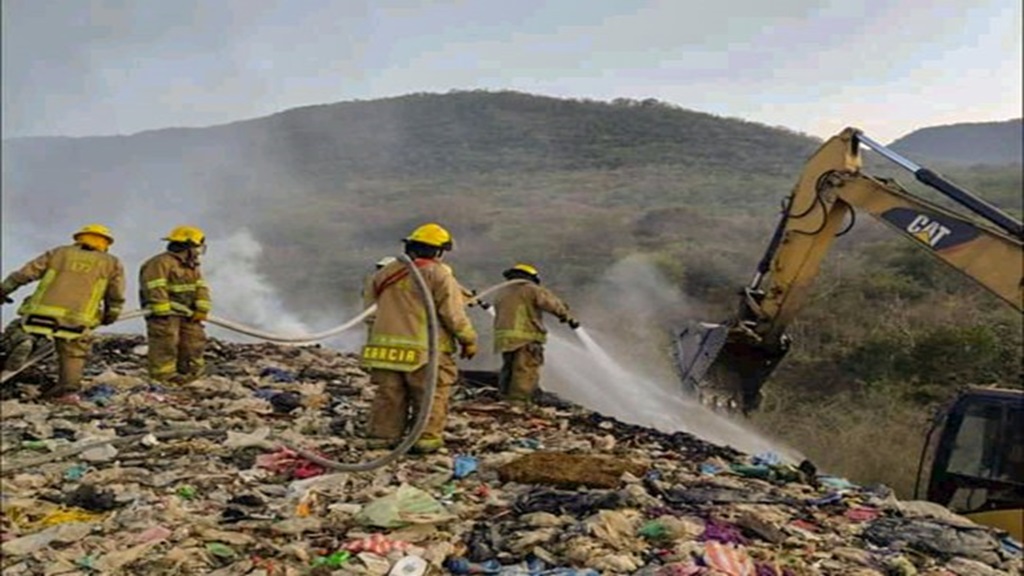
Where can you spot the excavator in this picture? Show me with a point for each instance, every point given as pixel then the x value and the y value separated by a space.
pixel 975 450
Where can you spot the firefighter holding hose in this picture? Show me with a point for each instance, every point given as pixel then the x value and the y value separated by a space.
pixel 519 331
pixel 396 350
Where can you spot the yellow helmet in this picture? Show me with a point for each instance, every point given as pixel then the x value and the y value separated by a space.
pixel 432 235
pixel 187 234
pixel 96 229
pixel 526 268
pixel 519 270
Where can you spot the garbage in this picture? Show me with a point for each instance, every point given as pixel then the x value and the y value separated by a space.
pixel 277 374
pixel 90 498
pixel 407 505
pixel 409 566
pixel 195 480
pixel 76 472
pixel 464 466
pixel 100 394
pixel 334 560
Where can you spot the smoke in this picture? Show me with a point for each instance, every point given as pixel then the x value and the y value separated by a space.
pixel 636 309
pixel 625 371
pixel 241 291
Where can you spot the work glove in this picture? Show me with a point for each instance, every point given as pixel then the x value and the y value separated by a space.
pixel 109 318
pixel 475 302
pixel 468 350
pixel 198 317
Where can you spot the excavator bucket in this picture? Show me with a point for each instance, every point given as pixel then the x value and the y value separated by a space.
pixel 696 347
pixel 721 366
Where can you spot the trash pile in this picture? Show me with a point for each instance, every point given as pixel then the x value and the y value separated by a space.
pixel 139 479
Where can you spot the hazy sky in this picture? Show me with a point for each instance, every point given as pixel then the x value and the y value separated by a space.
pixel 84 67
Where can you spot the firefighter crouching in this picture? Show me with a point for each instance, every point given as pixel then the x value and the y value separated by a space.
pixel 396 350
pixel 176 301
pixel 81 286
pixel 519 332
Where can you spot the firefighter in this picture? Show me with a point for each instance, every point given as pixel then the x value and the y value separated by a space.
pixel 519 332
pixel 176 301
pixel 81 286
pixel 396 350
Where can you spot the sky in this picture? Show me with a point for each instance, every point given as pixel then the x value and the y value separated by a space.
pixel 92 67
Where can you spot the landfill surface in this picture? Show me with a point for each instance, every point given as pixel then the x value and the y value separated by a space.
pixel 197 480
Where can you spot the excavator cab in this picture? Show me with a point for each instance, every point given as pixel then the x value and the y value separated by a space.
pixel 977 465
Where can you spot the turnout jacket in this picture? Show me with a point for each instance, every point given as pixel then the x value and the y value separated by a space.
pixel 169 285
pixel 78 287
pixel 398 336
pixel 517 315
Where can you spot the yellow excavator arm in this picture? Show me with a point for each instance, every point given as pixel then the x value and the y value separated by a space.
pixel 727 364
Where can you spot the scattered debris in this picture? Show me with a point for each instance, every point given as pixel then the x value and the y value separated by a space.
pixel 140 479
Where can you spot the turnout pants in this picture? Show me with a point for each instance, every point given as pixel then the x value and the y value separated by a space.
pixel 72 354
pixel 176 346
pixel 520 372
pixel 399 395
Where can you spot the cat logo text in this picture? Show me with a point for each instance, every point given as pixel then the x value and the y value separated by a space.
pixel 929 231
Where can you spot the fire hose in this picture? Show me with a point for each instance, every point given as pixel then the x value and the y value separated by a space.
pixel 400 450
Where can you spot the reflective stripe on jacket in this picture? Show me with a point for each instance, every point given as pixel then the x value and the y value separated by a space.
pixel 169 286
pixel 398 337
pixel 77 286
pixel 517 315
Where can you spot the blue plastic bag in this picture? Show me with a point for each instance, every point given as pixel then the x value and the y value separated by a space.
pixel 464 466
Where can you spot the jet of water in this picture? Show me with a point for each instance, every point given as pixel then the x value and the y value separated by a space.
pixel 590 377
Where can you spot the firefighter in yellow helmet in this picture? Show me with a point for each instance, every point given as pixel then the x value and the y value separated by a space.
pixel 176 301
pixel 396 350
pixel 81 286
pixel 519 332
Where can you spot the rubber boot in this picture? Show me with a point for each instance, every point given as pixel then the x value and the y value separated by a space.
pixel 381 443
pixel 427 445
pixel 69 377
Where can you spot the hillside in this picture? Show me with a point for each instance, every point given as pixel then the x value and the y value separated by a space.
pixel 994 143
pixel 360 174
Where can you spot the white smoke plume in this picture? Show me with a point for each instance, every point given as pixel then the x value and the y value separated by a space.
pixel 241 293
pixel 624 370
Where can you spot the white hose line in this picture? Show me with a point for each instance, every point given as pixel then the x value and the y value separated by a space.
pixel 306 339
pixel 300 340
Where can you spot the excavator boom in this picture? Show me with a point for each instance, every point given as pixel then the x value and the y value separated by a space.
pixel 726 364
